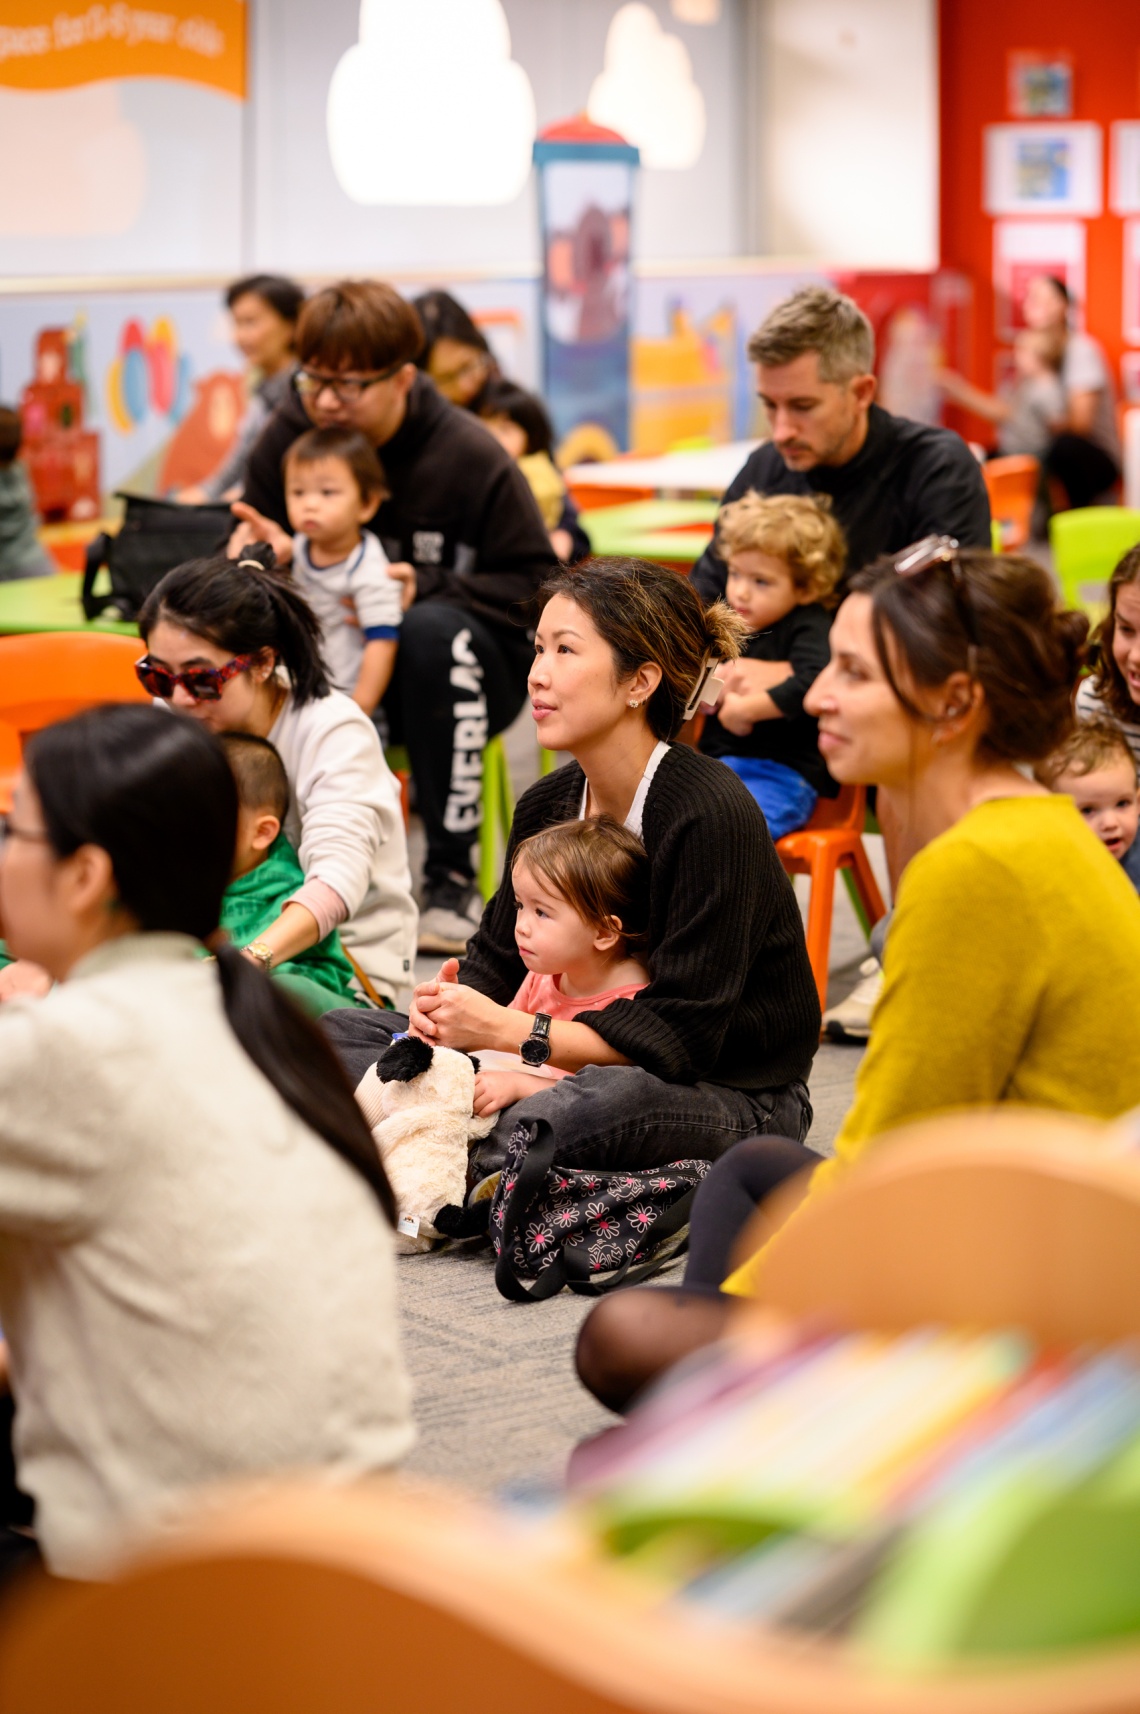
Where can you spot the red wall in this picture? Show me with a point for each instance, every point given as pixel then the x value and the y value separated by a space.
pixel 1103 39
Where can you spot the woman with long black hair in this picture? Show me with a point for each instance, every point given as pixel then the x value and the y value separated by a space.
pixel 196 1272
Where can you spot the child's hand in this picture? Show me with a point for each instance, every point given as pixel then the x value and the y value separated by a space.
pixel 495 1090
pixel 254 527
pixel 732 718
pixel 23 980
pixel 405 575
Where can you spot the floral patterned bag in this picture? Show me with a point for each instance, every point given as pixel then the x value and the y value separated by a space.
pixel 591 1231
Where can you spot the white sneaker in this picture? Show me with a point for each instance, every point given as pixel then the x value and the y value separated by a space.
pixel 449 916
pixel 851 1019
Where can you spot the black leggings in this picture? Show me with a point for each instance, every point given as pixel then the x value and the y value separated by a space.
pixel 631 1338
pixel 728 1198
pixel 458 681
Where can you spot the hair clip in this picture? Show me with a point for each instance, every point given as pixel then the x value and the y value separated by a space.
pixel 709 689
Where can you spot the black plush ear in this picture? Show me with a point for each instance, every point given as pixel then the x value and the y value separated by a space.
pixel 473 1060
pixel 404 1060
pixel 472 1221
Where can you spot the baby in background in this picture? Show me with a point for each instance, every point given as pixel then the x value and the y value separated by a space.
pixel 521 424
pixel 1097 769
pixel 20 552
pixel 582 896
pixel 334 484
pixel 1036 398
pixel 266 875
pixel 785 555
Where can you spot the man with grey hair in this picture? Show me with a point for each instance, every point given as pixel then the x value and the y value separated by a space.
pixel 890 481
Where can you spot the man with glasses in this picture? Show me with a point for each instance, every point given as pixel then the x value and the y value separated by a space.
pixel 460 527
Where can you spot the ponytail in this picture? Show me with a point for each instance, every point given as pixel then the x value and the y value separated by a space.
pixel 299 1062
pixel 244 606
pixel 155 792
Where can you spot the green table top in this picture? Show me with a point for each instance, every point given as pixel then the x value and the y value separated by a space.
pixel 50 604
pixel 652 529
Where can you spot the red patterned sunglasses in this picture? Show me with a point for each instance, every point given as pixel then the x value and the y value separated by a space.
pixel 204 684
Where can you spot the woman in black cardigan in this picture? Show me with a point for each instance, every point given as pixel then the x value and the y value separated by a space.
pixel 718 1046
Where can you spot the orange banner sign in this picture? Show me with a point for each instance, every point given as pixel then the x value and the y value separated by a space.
pixel 46 44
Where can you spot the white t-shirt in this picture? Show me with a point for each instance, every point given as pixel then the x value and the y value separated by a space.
pixel 1090 704
pixel 1084 370
pixel 359 584
pixel 193 1284
pixel 637 808
pixel 347 826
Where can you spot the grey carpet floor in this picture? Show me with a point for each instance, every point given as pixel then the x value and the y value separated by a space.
pixel 497 1402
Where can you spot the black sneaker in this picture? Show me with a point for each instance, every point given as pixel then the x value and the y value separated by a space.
pixel 449 915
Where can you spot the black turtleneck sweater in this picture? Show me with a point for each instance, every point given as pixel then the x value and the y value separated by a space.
pixel 460 510
pixel 731 998
pixel 906 481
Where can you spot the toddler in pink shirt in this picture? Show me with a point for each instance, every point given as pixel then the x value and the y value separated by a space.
pixel 581 892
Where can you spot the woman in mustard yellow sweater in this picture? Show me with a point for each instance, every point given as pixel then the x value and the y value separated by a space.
pixel 1012 968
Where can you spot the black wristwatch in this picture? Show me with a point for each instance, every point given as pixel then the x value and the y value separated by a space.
pixel 535 1050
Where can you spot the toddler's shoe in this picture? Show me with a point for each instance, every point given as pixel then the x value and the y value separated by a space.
pixel 449 915
pixel 851 1019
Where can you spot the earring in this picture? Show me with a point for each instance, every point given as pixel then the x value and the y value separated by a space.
pixel 634 704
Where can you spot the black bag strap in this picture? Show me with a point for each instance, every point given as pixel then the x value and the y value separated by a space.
pixel 529 1185
pixel 93 562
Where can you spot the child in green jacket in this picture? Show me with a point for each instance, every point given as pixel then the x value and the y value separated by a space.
pixel 266 876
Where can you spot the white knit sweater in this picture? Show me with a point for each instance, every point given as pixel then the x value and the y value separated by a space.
pixel 346 822
pixel 193 1284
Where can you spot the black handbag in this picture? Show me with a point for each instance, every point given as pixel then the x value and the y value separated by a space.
pixel 592 1231
pixel 156 535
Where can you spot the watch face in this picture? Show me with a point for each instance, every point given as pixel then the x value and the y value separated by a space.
pixel 534 1051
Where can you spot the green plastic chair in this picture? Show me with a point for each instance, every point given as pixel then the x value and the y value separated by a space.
pixel 498 813
pixel 498 808
pixel 1087 544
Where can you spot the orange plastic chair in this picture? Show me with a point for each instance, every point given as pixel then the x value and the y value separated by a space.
pixel 47 676
pixel 1011 484
pixel 832 841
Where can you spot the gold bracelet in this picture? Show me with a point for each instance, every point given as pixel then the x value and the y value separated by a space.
pixel 263 953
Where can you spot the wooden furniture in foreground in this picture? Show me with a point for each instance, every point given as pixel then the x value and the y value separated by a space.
pixel 290 1598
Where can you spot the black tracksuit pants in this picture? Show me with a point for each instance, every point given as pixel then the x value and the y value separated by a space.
pixel 459 680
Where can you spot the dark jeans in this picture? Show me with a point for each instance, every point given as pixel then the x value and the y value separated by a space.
pixel 458 681
pixel 614 1117
pixel 1084 469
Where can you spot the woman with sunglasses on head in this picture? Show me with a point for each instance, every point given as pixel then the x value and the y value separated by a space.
pixel 463 534
pixel 234 646
pixel 195 1229
pixel 1012 967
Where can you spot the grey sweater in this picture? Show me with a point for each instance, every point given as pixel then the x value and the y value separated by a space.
pixel 193 1284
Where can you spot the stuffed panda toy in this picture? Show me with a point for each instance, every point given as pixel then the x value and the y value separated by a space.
pixel 417 1101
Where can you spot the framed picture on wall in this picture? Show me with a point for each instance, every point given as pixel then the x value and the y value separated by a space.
pixel 1042 169
pixel 1130 296
pixel 1124 190
pixel 1039 85
pixel 1023 248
